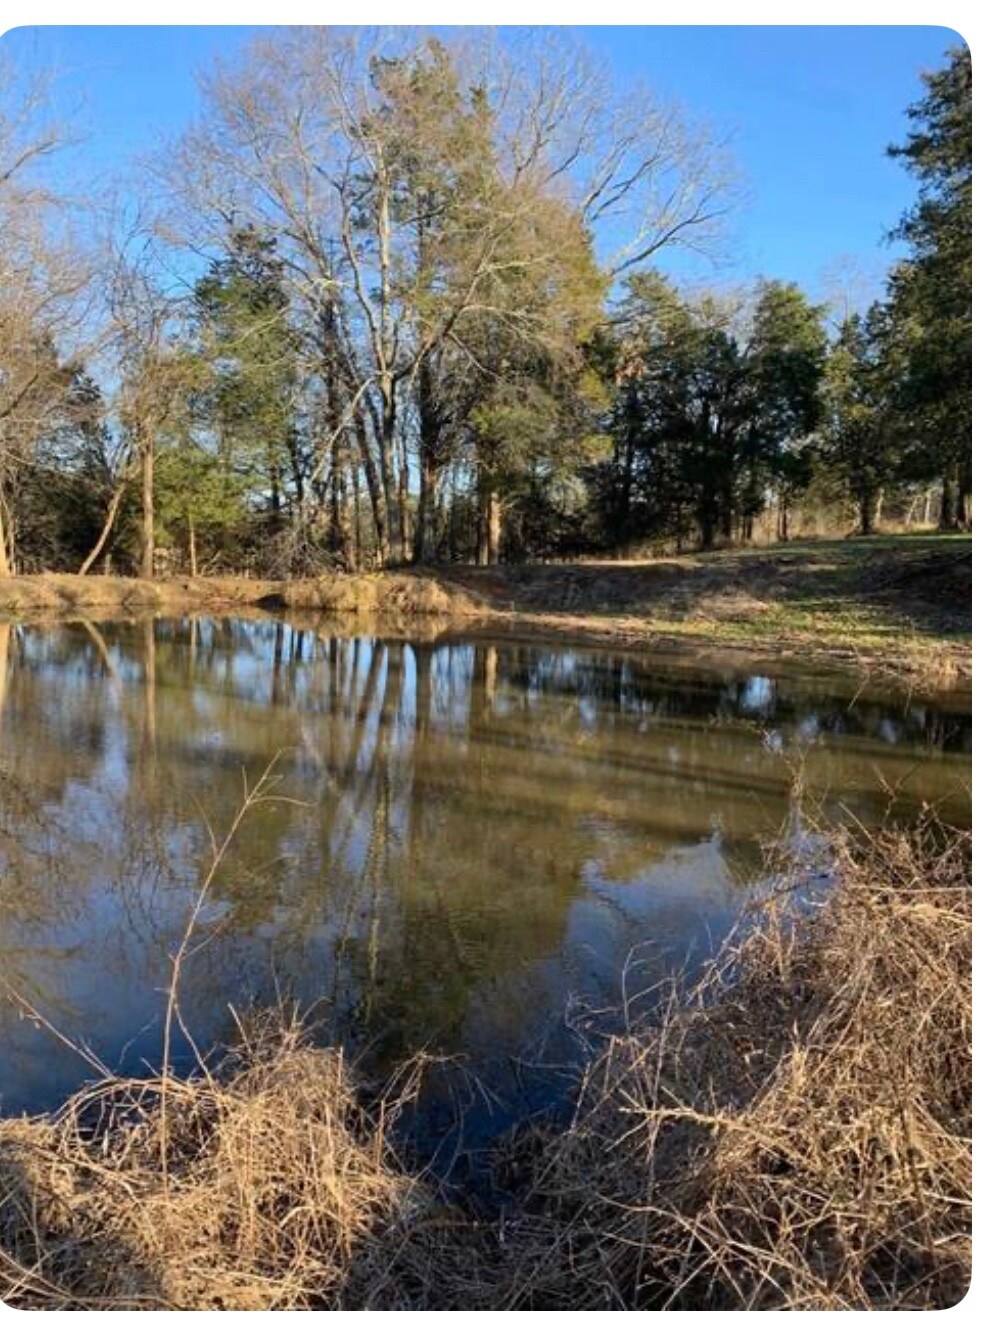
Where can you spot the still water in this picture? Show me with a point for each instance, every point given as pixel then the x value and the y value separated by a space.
pixel 470 838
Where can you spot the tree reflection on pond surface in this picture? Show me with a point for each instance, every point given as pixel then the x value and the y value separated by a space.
pixel 475 831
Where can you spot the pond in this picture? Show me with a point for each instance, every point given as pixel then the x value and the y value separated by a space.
pixel 470 838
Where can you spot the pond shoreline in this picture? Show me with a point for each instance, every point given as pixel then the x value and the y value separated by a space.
pixel 798 1120
pixel 886 608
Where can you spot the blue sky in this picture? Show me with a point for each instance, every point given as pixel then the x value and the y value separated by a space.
pixel 807 111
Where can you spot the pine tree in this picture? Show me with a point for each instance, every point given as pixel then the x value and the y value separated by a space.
pixel 931 292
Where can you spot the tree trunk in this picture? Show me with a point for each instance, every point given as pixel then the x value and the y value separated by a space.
pixel 964 495
pixel 296 465
pixel 425 539
pixel 625 495
pixel 275 497
pixel 393 526
pixel 726 520
pixel 356 515
pixel 948 501
pixel 404 530
pixel 103 537
pixel 4 558
pixel 783 520
pixel 866 513
pixel 493 527
pixel 375 493
pixel 340 509
pixel 429 438
pixel 146 462
pixel 192 547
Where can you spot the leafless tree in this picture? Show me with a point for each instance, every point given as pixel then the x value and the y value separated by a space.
pixel 42 281
pixel 417 192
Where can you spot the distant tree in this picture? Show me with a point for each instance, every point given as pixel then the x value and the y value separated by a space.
pixel 249 351
pixel 785 356
pixel 158 371
pixel 64 495
pixel 711 416
pixel 437 209
pixel 195 492
pixel 862 434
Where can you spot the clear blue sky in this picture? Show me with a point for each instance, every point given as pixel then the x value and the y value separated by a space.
pixel 808 112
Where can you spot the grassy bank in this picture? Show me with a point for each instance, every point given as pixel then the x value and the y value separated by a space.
pixel 394 593
pixel 792 1132
pixel 899 605
pixel 891 605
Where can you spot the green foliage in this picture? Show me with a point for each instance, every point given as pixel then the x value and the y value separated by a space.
pixel 194 487
pixel 863 435
pixel 707 420
pixel 249 355
pixel 930 293
pixel 405 344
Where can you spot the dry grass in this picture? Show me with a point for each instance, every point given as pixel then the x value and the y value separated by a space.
pixel 794 1132
pixel 405 594
pixel 275 1178
pixel 894 607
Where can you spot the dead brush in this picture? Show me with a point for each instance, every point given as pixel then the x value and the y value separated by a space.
pixel 251 1185
pixel 275 1179
pixel 794 1132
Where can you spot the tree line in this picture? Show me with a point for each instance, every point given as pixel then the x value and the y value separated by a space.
pixel 392 299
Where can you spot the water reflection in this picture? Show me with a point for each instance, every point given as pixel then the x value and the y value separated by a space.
pixel 475 831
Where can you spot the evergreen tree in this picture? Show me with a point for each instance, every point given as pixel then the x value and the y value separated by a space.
pixel 710 422
pixel 862 437
pixel 249 396
pixel 931 292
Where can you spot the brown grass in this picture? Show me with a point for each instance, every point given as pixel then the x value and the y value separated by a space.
pixel 399 594
pixel 898 608
pixel 275 1176
pixel 793 1132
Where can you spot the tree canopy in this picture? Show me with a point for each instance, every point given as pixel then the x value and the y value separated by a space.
pixel 404 301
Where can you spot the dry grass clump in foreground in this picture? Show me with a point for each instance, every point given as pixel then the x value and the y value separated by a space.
pixel 253 1189
pixel 795 1132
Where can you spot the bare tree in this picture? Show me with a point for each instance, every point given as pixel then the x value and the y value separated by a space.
pixel 156 371
pixel 410 184
pixel 42 279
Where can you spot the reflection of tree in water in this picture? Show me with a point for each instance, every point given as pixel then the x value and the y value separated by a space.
pixel 468 812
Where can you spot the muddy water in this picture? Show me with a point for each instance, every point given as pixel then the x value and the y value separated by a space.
pixel 467 840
